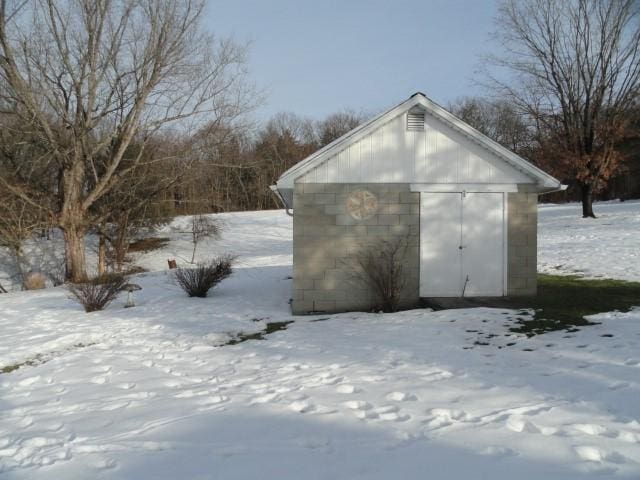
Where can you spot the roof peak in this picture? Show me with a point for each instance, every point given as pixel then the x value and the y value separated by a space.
pixel 287 179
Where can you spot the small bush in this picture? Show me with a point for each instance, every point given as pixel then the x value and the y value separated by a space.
pixel 381 269
pixel 98 292
pixel 34 281
pixel 197 281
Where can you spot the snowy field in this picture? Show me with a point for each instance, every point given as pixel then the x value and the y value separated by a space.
pixel 152 392
pixel 608 246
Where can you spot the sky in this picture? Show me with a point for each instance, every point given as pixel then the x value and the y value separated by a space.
pixel 316 57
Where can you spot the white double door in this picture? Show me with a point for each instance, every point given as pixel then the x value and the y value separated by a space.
pixel 462 244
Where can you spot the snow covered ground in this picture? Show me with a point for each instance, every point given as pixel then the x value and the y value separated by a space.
pixel 608 246
pixel 151 393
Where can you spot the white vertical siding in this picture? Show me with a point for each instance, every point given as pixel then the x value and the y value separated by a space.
pixel 392 154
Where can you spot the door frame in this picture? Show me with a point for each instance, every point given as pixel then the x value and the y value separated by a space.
pixel 504 189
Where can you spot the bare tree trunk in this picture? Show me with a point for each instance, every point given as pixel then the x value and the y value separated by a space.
pixel 17 252
pixel 121 246
pixel 75 259
pixel 193 254
pixel 587 200
pixel 102 255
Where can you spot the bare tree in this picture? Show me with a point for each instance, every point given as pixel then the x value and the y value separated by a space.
pixel 89 78
pixel 574 67
pixel 19 221
pixel 133 205
pixel 337 124
pixel 202 227
pixel 498 119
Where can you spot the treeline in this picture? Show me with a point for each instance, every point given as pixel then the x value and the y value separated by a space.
pixel 232 169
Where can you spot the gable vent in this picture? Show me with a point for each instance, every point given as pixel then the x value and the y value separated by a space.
pixel 415 121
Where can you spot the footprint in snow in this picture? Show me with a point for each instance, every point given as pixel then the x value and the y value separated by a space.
pixel 442 417
pixel 394 416
pixel 618 385
pixel 172 384
pixel 366 414
pixel 400 396
pixel 27 382
pixel 346 388
pixel 331 380
pixel 40 442
pixel 102 369
pixel 4 443
pixel 386 409
pixel 324 410
pixel 629 437
pixel 282 389
pixel 126 386
pixel 518 424
pixel 593 429
pixel 25 422
pixel 104 464
pixel 590 453
pixel 139 395
pixel 497 451
pixel 115 406
pixel 259 387
pixel 199 379
pixel 296 397
pixel 358 405
pixel 269 397
pixel 54 427
pixel 99 380
pixel 302 406
pixel 437 375
pixel 190 393
pixel 213 400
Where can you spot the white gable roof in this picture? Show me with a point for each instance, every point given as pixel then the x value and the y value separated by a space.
pixel 325 165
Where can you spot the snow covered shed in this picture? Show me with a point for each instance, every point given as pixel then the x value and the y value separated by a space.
pixel 465 206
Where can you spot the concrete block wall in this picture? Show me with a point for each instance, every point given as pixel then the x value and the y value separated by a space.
pixel 522 243
pixel 326 240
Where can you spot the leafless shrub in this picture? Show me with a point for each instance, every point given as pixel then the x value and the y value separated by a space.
pixel 34 281
pixel 381 268
pixel 197 281
pixel 56 273
pixel 96 293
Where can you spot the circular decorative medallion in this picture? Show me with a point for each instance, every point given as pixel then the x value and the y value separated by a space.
pixel 362 204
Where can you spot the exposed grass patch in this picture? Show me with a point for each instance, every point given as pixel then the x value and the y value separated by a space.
pixel 41 358
pixel 563 302
pixel 148 244
pixel 271 328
